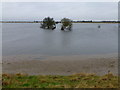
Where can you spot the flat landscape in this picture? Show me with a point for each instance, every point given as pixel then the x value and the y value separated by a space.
pixel 59 45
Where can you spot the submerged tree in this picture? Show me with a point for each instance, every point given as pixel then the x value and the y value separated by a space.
pixel 48 23
pixel 66 24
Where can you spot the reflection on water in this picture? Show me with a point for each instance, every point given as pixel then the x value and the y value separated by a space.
pixel 28 38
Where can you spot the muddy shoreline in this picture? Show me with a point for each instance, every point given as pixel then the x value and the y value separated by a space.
pixel 60 65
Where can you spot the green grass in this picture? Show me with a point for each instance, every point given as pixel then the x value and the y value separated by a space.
pixel 56 81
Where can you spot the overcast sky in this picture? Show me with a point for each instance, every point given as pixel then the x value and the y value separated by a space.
pixel 59 10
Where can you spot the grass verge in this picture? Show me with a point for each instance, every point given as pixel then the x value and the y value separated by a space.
pixel 56 81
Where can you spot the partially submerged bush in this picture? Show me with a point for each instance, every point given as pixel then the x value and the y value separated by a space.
pixel 48 23
pixel 66 24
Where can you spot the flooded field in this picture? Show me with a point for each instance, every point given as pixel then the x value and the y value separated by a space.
pixel 85 38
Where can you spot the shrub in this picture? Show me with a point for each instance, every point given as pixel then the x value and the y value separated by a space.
pixel 66 24
pixel 48 23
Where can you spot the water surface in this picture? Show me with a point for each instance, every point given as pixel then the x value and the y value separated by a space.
pixel 85 38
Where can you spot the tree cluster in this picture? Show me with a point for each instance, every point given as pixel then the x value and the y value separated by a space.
pixel 49 23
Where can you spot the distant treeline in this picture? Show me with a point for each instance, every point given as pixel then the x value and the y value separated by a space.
pixel 60 22
pixel 20 21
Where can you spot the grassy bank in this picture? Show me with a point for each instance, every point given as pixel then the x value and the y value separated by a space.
pixel 55 81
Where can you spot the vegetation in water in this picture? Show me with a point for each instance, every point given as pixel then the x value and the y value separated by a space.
pixel 56 81
pixel 66 24
pixel 48 23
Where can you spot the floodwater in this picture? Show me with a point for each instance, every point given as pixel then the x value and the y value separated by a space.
pixel 85 38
